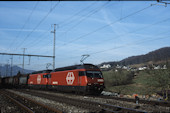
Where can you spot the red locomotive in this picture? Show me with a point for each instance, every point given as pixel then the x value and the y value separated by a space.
pixel 38 79
pixel 85 78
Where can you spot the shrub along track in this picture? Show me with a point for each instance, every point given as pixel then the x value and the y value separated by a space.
pixel 28 105
pixel 84 104
pixel 150 102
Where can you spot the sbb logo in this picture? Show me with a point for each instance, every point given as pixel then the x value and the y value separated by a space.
pixel 38 79
pixel 70 78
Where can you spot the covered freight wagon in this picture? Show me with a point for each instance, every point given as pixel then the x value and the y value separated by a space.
pixel 0 82
pixel 16 81
pixel 23 79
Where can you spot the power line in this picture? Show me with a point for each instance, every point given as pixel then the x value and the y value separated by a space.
pixel 44 43
pixel 145 27
pixel 104 26
pixel 15 39
pixel 38 24
pixel 71 18
pixel 25 55
pixel 126 45
pixel 85 17
pixel 64 21
pixel 40 38
pixel 91 13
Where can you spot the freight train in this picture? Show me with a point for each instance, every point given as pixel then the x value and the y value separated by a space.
pixel 0 82
pixel 84 78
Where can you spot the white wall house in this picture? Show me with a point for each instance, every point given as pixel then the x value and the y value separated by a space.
pixel 105 66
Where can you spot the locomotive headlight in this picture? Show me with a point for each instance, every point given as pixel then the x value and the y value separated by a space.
pixel 89 83
pixel 100 80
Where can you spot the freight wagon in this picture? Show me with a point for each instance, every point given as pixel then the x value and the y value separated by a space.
pixel 0 82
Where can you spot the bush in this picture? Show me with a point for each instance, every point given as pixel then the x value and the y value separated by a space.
pixel 159 79
pixel 116 78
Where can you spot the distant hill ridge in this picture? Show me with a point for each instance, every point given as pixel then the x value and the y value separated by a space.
pixel 161 54
pixel 5 70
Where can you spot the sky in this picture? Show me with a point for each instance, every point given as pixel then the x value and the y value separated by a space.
pixel 105 30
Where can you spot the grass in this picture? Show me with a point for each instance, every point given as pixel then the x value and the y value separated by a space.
pixel 138 84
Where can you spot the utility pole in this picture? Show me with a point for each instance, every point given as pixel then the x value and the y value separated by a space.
pixel 11 64
pixel 23 60
pixel 54 47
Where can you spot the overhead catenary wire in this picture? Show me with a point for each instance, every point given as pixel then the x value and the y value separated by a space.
pixel 84 18
pixel 63 22
pixel 16 38
pixel 100 28
pixel 37 40
pixel 88 15
pixel 145 27
pixel 125 17
pixel 71 19
pixel 38 24
pixel 106 25
pixel 42 43
pixel 128 44
pixel 44 38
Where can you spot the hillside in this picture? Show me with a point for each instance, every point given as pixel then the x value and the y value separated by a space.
pixel 162 54
pixel 6 70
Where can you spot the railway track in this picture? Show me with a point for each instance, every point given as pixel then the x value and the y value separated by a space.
pixel 84 104
pixel 28 105
pixel 151 102
pixel 141 101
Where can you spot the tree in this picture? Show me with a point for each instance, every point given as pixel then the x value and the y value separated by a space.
pixel 159 79
pixel 121 77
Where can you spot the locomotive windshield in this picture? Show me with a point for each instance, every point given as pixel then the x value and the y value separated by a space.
pixel 94 74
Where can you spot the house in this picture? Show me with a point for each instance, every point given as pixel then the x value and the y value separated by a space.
pixel 105 66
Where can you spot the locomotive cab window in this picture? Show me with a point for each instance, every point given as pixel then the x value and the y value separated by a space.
pixel 94 74
pixel 82 73
pixel 44 76
pixel 48 76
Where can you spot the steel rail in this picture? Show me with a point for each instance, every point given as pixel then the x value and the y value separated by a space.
pixel 18 103
pixel 93 106
pixel 40 104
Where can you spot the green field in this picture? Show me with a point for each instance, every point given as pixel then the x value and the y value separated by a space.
pixel 144 82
